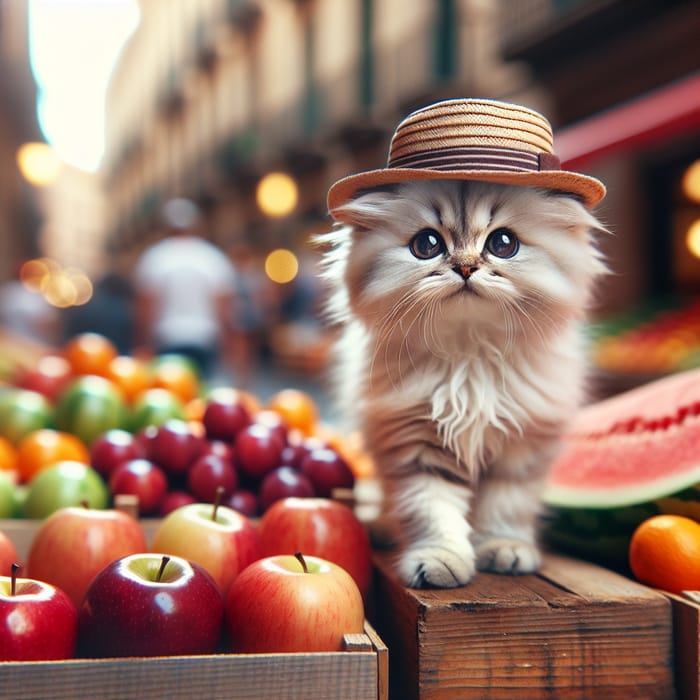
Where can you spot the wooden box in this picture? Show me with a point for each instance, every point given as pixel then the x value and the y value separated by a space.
pixel 360 672
pixel 572 631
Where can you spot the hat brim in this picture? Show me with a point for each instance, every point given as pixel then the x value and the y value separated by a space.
pixel 588 188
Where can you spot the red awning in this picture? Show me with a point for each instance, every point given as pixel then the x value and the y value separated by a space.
pixel 668 112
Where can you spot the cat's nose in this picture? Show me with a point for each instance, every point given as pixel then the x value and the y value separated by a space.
pixel 465 271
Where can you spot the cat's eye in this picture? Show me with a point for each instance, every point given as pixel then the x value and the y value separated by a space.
pixel 502 243
pixel 426 244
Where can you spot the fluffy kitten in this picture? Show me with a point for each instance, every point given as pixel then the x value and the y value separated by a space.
pixel 462 360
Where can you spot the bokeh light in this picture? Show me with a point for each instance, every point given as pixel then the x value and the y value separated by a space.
pixel 281 266
pixel 34 274
pixel 38 163
pixel 277 194
pixel 691 181
pixel 692 238
pixel 61 287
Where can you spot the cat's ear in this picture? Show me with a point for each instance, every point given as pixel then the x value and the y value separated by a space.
pixel 368 207
pixel 338 236
pixel 594 224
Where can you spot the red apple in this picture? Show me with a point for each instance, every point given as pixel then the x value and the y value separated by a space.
pixel 174 500
pixel 244 501
pixel 144 438
pixel 208 473
pixel 111 449
pixel 327 470
pixel 38 622
pixel 258 450
pixel 49 376
pixel 73 544
pixel 142 478
pixel 174 446
pixel 222 540
pixel 284 482
pixel 274 421
pixel 225 414
pixel 151 605
pixel 292 603
pixel 319 527
pixel 220 448
pixel 8 554
pixel 293 454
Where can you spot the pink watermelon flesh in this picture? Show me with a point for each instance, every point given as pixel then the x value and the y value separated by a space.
pixel 632 448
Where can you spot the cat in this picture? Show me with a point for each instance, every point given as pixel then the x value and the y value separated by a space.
pixel 461 359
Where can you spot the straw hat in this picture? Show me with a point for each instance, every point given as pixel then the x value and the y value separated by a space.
pixel 471 139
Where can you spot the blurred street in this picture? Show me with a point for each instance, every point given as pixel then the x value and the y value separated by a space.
pixel 246 112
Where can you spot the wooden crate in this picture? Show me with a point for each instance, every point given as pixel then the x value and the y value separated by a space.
pixel 360 671
pixel 572 631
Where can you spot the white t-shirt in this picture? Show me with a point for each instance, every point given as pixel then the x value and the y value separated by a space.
pixel 185 275
pixel 26 313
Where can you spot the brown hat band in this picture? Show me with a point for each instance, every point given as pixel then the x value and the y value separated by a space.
pixel 491 159
pixel 471 139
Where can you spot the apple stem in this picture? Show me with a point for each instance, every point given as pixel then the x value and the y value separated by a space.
pixel 163 563
pixel 302 561
pixel 220 490
pixel 85 504
pixel 13 577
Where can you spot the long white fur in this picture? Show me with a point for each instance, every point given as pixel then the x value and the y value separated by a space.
pixel 462 394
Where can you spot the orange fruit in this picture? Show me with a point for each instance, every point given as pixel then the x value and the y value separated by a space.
pixel 8 455
pixel 130 374
pixel 89 353
pixel 664 552
pixel 296 408
pixel 177 375
pixel 194 409
pixel 43 448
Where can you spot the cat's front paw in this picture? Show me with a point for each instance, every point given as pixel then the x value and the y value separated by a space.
pixel 436 567
pixel 507 556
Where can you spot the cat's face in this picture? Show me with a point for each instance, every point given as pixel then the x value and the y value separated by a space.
pixel 469 253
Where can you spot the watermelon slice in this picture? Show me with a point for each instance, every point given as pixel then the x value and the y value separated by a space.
pixel 623 460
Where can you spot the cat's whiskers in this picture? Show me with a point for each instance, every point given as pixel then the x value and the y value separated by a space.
pixel 385 333
pixel 420 310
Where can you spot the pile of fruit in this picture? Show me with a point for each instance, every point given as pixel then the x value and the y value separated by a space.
pixel 250 554
pixel 84 424
pixel 650 341
pixel 212 580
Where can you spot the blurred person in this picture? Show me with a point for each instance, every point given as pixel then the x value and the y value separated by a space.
pixel 254 310
pixel 184 286
pixel 26 313
pixel 109 312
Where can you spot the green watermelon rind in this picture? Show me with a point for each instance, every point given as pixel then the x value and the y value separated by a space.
pixel 604 534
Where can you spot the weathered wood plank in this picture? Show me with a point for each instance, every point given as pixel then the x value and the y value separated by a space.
pixel 575 631
pixel 341 675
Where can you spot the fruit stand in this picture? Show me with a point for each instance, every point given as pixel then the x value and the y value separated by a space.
pixel 574 630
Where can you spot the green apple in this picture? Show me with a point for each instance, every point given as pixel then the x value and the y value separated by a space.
pixel 90 406
pixel 154 407
pixel 7 496
pixel 66 483
pixel 18 498
pixel 22 411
